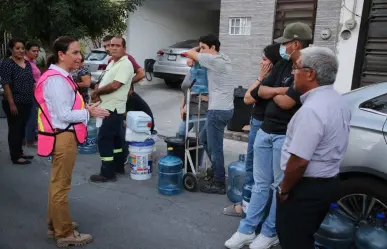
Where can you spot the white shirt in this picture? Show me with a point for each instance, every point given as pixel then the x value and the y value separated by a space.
pixel 60 96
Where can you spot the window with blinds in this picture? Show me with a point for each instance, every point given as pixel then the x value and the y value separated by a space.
pixel 288 11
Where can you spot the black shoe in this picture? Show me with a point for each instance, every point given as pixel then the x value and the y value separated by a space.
pixel 214 187
pixel 209 175
pixel 99 178
pixel 27 157
pixel 21 161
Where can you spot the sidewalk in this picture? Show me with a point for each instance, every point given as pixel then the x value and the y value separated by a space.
pixel 125 214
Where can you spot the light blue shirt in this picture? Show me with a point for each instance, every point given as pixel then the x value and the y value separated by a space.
pixel 60 96
pixel 319 132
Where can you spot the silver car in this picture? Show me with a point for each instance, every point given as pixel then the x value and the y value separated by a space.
pixel 96 62
pixel 171 62
pixel 364 168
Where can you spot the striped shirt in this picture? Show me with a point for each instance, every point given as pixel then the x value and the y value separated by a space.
pixel 60 96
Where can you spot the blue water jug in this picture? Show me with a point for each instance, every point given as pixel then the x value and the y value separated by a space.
pixel 199 74
pixel 170 180
pixel 336 231
pixel 236 179
pixel 246 195
pixel 372 237
pixel 90 145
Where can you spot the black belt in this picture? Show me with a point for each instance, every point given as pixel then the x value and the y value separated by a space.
pixel 320 179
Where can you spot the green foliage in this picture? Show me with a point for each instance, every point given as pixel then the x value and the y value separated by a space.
pixel 48 19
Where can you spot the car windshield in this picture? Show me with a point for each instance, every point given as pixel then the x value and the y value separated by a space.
pixel 96 56
pixel 186 44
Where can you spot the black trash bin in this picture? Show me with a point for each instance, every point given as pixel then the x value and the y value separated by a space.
pixel 242 112
pixel 177 143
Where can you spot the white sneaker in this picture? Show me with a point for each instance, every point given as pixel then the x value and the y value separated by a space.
pixel 263 242
pixel 239 240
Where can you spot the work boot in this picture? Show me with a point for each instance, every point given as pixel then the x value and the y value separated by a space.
pixel 76 239
pixel 214 187
pixel 100 178
pixel 51 233
pixel 209 175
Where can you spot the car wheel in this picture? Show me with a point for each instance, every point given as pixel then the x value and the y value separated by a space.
pixel 173 83
pixel 361 198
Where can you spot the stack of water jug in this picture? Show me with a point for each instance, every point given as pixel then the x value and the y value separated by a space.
pixel 338 231
pixel 90 145
pixel 141 144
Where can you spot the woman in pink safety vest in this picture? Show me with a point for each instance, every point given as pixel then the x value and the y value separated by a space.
pixel 62 119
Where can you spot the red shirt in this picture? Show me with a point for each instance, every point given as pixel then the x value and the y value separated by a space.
pixel 135 66
pixel 132 60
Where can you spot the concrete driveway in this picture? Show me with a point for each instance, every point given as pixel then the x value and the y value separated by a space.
pixel 125 214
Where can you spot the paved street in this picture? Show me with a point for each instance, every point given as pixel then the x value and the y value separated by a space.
pixel 125 214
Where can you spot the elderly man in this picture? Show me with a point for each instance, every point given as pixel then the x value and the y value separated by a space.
pixel 315 144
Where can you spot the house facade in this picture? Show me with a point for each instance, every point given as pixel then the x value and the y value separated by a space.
pixel 354 29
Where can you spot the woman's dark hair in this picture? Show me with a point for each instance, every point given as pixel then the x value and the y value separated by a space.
pixel 11 44
pixel 211 40
pixel 50 60
pixel 32 44
pixel 61 45
pixel 272 52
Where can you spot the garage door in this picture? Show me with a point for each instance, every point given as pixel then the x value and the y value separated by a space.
pixel 375 56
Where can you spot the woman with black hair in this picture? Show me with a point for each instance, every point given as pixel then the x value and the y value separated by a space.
pixel 32 53
pixel 62 120
pixel 18 83
pixel 82 77
pixel 269 58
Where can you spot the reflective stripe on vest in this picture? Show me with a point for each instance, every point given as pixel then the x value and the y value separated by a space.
pixel 46 132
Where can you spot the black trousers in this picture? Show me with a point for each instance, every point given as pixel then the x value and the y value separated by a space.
pixel 300 216
pixel 136 103
pixel 111 144
pixel 16 127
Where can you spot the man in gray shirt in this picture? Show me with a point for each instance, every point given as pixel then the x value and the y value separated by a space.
pixel 220 108
pixel 315 144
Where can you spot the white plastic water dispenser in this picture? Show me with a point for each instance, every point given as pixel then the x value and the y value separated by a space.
pixel 138 121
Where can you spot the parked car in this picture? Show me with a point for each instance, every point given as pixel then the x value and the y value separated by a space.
pixel 96 62
pixel 171 62
pixel 364 168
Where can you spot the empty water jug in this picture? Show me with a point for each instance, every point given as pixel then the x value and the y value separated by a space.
pixel 372 237
pixel 236 179
pixel 170 180
pixel 336 231
pixel 199 75
pixel 90 145
pixel 246 195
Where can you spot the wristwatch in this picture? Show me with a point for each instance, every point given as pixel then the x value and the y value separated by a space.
pixel 279 191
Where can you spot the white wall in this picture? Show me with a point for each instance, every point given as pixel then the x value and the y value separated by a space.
pixel 161 23
pixel 346 49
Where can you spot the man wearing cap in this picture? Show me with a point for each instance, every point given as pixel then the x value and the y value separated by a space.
pixel 283 103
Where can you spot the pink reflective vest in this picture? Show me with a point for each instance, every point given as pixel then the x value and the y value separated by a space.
pixel 46 133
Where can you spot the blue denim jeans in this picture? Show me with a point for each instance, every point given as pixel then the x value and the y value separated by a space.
pixel 211 138
pixel 267 171
pixel 254 127
pixel 31 125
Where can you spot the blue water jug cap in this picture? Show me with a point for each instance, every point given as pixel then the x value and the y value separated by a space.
pixel 242 157
pixel 380 216
pixel 334 206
